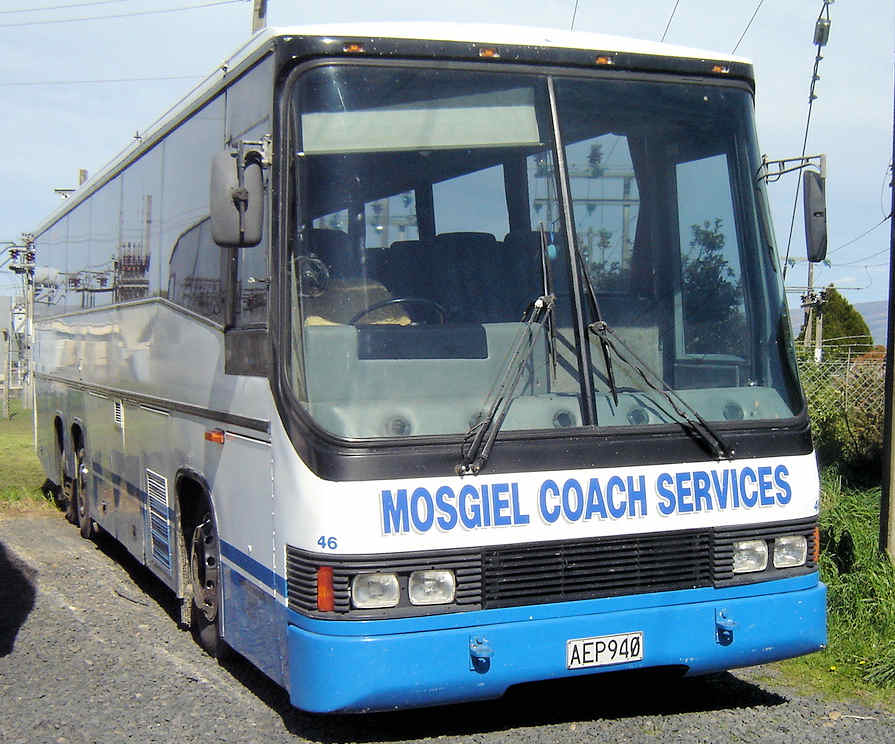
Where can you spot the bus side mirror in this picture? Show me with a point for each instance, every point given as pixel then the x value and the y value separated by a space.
pixel 815 208
pixel 236 199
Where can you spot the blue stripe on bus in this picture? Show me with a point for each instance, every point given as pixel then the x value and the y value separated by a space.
pixel 248 564
pixel 257 570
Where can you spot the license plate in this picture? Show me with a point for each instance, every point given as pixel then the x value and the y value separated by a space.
pixel 620 648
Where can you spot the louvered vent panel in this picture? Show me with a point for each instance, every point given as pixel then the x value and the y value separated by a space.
pixel 159 525
pixel 119 414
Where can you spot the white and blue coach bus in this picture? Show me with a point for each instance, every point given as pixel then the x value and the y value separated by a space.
pixel 422 361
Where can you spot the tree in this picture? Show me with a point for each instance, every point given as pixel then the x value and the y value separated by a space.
pixel 844 328
pixel 713 295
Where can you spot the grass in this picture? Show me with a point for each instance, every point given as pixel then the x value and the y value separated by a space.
pixel 21 475
pixel 859 660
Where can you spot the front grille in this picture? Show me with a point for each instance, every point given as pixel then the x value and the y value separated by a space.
pixel 560 571
pixel 598 567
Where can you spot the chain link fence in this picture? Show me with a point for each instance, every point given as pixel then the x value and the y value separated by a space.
pixel 845 392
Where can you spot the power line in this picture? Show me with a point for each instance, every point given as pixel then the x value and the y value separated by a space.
pixel 860 261
pixel 668 25
pixel 820 41
pixel 574 13
pixel 863 234
pixel 743 35
pixel 60 7
pixel 131 14
pixel 103 80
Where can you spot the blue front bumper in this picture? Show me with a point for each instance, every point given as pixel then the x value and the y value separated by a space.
pixel 376 665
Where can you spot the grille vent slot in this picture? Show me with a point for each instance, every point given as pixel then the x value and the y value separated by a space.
pixel 159 525
pixel 119 414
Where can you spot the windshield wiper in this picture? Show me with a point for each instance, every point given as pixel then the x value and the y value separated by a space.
pixel 477 443
pixel 547 290
pixel 693 423
pixel 604 345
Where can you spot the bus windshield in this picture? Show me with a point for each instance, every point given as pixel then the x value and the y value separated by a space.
pixel 432 209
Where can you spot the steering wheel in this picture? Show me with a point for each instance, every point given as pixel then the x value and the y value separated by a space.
pixel 442 313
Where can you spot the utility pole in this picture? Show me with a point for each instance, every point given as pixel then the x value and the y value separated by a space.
pixel 259 15
pixel 887 512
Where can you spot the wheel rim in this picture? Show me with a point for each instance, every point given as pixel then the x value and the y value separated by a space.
pixel 81 476
pixel 204 568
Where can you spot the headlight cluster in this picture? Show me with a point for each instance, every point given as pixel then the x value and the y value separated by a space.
pixel 377 590
pixel 788 551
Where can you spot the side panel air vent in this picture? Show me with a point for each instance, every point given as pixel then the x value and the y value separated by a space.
pixel 159 524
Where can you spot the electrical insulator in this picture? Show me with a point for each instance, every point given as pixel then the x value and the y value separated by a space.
pixel 822 31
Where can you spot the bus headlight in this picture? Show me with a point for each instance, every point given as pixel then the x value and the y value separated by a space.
pixel 749 556
pixel 372 590
pixel 790 551
pixel 431 587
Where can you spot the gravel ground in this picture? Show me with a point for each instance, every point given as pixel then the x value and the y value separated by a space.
pixel 90 652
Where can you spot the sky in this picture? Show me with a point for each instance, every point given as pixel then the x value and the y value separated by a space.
pixel 74 93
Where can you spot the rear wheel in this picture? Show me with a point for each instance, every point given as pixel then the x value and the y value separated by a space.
pixel 88 531
pixel 66 491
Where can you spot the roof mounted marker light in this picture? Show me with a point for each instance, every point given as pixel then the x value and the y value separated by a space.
pixel 605 60
pixel 721 69
pixel 489 53
pixel 353 47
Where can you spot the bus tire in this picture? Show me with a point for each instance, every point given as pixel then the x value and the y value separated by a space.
pixel 204 564
pixel 88 531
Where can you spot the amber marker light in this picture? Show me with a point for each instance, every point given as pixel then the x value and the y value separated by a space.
pixel 815 551
pixel 721 69
pixel 489 53
pixel 604 60
pixel 215 435
pixel 352 47
pixel 326 597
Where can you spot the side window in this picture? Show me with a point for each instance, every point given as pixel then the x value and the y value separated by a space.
pixel 195 273
pixel 712 307
pixel 390 219
pixel 473 202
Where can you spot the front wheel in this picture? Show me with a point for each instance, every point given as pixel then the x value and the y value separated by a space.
pixel 204 577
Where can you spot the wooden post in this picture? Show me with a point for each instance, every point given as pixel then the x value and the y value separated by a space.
pixel 887 513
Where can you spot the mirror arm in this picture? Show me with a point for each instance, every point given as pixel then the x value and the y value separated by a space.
pixel 245 149
pixel 788 165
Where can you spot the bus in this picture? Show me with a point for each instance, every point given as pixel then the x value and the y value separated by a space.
pixel 421 361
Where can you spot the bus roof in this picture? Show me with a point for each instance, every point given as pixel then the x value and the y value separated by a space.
pixel 500 34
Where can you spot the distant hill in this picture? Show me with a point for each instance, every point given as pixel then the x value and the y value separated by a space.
pixel 874 314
